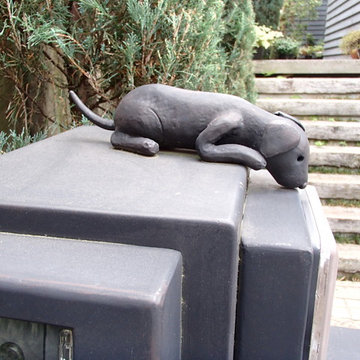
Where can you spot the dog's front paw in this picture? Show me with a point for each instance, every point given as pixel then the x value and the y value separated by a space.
pixel 259 163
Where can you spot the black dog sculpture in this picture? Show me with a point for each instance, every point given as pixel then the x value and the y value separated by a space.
pixel 222 128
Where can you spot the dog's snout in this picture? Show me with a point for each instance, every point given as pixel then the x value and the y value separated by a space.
pixel 303 186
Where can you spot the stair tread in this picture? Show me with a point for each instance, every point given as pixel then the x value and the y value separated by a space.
pixel 332 124
pixel 316 178
pixel 343 219
pixel 308 85
pixel 303 67
pixel 349 260
pixel 335 149
pixel 337 156
pixel 336 186
pixel 310 101
pixel 349 251
pixel 312 107
pixel 332 130
pixel 344 213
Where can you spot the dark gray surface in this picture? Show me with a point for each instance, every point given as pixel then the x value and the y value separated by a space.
pixel 344 344
pixel 75 185
pixel 279 258
pixel 123 302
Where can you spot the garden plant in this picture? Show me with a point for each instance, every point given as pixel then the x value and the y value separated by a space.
pixel 104 49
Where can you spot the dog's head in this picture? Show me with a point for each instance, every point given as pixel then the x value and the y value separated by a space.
pixel 286 149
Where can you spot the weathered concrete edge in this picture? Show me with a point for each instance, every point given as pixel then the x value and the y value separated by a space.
pixel 338 156
pixel 325 67
pixel 332 130
pixel 335 186
pixel 314 86
pixel 343 219
pixel 312 107
pixel 349 258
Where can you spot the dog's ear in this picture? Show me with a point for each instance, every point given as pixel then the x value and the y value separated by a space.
pixel 287 116
pixel 279 137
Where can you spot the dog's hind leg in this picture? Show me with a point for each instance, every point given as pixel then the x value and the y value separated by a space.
pixel 234 153
pixel 137 144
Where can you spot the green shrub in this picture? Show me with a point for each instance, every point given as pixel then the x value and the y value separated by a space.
pixel 3 141
pixel 293 13
pixel 311 52
pixel 267 12
pixel 105 48
pixel 350 42
pixel 264 38
pixel 238 42
pixel 285 48
pixel 13 140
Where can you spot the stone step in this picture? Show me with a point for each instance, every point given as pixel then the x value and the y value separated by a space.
pixel 312 107
pixel 329 118
pixel 336 186
pixel 349 259
pixel 306 67
pixel 343 219
pixel 337 156
pixel 332 130
pixel 309 87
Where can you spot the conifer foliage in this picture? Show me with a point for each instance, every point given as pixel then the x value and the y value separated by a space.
pixel 267 12
pixel 105 48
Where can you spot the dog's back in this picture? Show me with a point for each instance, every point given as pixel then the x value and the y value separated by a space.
pixel 175 117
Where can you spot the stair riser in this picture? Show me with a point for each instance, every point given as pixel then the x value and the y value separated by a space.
pixel 311 107
pixel 306 67
pixel 336 186
pixel 326 130
pixel 309 87
pixel 274 96
pixel 337 191
pixel 343 220
pixel 344 226
pixel 342 119
pixel 325 158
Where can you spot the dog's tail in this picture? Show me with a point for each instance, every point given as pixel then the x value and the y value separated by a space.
pixel 106 124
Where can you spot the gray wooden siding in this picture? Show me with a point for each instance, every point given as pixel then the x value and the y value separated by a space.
pixel 342 17
pixel 316 27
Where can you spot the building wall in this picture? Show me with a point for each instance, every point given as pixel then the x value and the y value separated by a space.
pixel 342 17
pixel 316 27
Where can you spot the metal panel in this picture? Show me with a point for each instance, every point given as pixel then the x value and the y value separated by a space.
pixel 122 302
pixel 326 279
pixel 280 253
pixel 75 185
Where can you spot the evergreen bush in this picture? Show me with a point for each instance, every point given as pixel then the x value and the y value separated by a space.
pixel 13 140
pixel 267 12
pixel 293 14
pixel 105 48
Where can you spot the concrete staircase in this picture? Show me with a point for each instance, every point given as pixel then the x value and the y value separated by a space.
pixel 325 95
